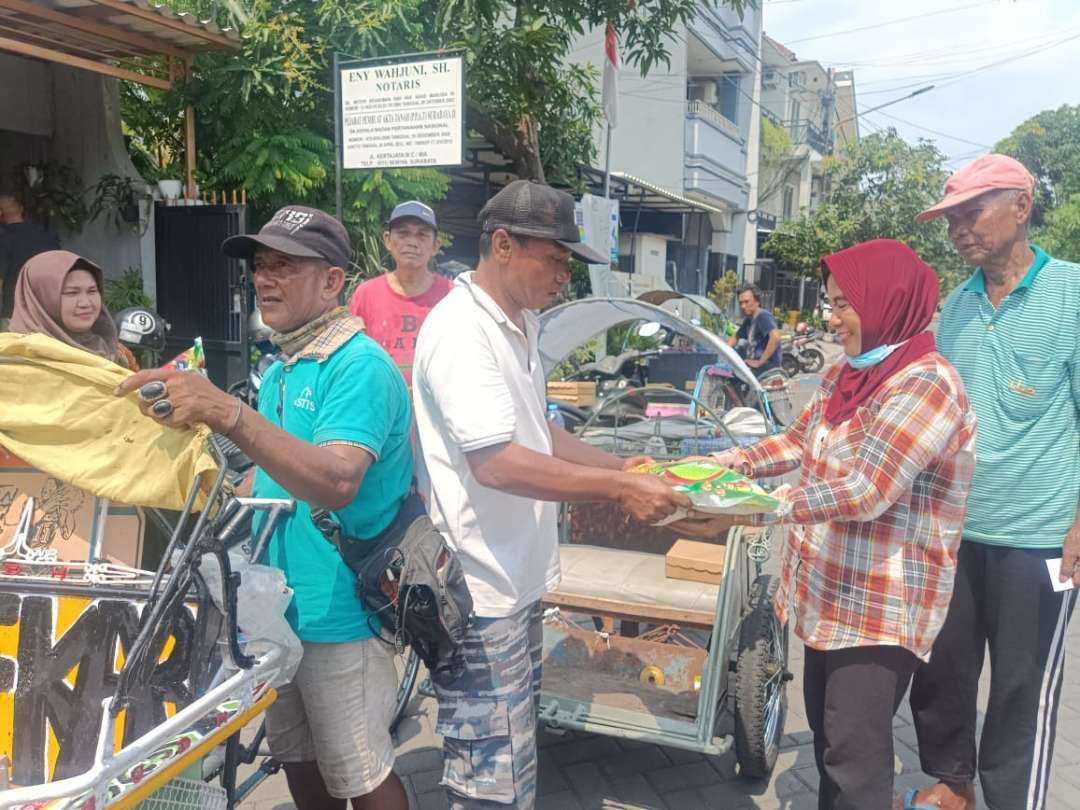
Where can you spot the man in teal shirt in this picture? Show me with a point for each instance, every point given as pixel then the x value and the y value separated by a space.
pixel 331 432
pixel 1013 333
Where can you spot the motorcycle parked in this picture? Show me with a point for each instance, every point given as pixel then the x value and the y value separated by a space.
pixel 263 355
pixel 800 354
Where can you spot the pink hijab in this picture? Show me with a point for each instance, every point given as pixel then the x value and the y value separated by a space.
pixel 37 303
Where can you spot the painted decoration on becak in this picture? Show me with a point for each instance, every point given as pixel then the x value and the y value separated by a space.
pixel 65 518
pixel 61 655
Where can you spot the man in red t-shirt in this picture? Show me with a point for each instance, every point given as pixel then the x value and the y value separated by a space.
pixel 395 304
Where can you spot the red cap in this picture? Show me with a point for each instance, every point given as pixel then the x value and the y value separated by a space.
pixel 988 173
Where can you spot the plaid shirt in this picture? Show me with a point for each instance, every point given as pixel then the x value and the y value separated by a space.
pixel 878 511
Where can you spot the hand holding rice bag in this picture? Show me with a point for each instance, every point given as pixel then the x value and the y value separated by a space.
pixel 712 488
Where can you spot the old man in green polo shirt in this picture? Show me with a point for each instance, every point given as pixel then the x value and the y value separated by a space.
pixel 1013 332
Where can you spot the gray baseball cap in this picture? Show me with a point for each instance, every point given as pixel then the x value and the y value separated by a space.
pixel 297 230
pixel 528 208
pixel 414 209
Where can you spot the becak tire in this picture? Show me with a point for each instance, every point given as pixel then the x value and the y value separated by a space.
pixel 761 679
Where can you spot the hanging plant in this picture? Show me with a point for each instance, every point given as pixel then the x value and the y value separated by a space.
pixel 119 198
pixel 52 193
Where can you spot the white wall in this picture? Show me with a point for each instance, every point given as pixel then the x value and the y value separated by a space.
pixel 648 142
pixel 649 251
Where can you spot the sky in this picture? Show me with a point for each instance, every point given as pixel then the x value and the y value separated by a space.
pixel 946 38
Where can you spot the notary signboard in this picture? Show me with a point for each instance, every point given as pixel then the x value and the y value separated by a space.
pixel 403 112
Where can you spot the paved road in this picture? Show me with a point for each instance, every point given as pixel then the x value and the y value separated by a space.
pixel 581 772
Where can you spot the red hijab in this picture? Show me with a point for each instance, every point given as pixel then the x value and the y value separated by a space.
pixel 895 294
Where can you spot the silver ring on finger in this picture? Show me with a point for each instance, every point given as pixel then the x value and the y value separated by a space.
pixel 153 391
pixel 162 408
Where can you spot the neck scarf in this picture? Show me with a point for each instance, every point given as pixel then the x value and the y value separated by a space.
pixel 895 294
pixel 37 303
pixel 294 342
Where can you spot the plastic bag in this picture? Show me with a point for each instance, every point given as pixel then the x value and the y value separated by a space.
pixel 712 488
pixel 192 359
pixel 261 601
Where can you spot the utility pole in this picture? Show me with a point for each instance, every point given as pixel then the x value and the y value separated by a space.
pixel 912 94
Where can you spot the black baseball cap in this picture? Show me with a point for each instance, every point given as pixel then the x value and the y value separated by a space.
pixel 296 230
pixel 528 208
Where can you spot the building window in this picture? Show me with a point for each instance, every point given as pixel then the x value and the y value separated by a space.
pixel 789 201
pixel 796 112
pixel 729 96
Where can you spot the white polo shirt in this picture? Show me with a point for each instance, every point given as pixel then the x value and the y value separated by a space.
pixel 478 382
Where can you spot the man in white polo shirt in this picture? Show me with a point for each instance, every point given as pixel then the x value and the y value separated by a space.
pixel 495 471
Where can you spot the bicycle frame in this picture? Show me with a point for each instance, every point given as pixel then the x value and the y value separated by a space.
pixel 238 692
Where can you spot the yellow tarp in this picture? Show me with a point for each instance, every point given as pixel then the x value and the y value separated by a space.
pixel 58 414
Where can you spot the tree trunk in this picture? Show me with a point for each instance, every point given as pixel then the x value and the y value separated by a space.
pixel 520 144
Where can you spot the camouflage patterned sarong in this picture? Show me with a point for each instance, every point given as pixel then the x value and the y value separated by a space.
pixel 488 708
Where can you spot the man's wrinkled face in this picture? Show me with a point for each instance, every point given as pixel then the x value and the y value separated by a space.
pixel 536 269
pixel 540 269
pixel 412 243
pixel 293 290
pixel 748 304
pixel 984 227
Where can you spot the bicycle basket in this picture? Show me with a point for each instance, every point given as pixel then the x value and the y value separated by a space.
pixel 187 794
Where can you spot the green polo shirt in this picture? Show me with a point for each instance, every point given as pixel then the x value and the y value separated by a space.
pixel 1021 367
pixel 355 396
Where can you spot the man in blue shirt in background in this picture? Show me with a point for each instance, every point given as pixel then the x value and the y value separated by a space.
pixel 331 432
pixel 759 330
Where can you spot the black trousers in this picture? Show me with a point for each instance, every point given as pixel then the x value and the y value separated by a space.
pixel 851 696
pixel 1002 598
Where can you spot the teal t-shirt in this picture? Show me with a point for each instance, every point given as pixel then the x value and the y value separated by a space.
pixel 1020 364
pixel 356 396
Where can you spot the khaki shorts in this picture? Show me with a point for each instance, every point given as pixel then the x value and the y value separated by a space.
pixel 336 711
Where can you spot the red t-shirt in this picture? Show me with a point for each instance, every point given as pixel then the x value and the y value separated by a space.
pixel 394 320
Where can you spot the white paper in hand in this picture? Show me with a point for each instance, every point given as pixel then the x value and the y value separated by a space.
pixel 1054 567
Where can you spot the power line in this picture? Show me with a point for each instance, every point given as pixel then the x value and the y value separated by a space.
pixel 886 23
pixel 937 132
pixel 919 92
pixel 1007 60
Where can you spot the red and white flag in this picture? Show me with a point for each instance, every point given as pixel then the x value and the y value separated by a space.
pixel 611 76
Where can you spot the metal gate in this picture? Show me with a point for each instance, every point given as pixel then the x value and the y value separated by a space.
pixel 200 291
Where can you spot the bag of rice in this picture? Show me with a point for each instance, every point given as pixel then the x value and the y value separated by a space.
pixel 712 488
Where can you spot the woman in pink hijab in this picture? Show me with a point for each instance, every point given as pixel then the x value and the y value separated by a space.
pixel 59 294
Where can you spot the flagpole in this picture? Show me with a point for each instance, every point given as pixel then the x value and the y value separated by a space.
pixel 607 163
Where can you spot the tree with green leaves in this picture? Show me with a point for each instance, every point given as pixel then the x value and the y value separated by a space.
pixel 874 192
pixel 265 112
pixel 526 95
pixel 1049 145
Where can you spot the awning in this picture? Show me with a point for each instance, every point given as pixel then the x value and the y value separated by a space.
pixel 126 39
pixel 636 192
pixel 131 40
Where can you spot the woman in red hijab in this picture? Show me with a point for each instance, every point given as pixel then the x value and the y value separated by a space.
pixel 885 452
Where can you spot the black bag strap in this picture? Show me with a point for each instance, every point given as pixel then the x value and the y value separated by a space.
pixel 410 509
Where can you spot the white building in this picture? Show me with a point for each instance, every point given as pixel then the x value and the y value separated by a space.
pixel 687 131
pixel 815 107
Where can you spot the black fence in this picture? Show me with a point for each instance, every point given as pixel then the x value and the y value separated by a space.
pixel 200 291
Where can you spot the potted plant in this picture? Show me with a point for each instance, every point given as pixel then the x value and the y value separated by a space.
pixel 119 196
